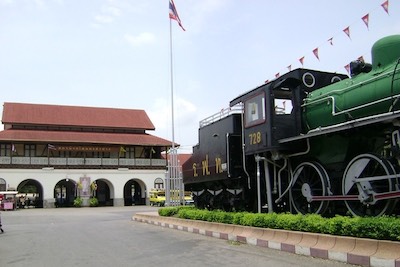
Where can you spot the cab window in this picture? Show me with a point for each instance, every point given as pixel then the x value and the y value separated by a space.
pixel 254 109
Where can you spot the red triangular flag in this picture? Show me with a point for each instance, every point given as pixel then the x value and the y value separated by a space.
pixel 289 67
pixel 347 67
pixel 347 31
pixel 302 61
pixel 315 51
pixel 361 59
pixel 330 40
pixel 366 20
pixel 385 6
pixel 277 75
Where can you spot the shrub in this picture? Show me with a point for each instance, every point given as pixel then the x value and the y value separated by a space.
pixel 385 228
pixel 93 202
pixel 78 202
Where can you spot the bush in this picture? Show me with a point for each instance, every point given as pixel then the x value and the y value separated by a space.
pixel 93 202
pixel 78 202
pixel 385 228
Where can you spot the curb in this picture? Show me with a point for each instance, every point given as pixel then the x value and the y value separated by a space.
pixel 358 251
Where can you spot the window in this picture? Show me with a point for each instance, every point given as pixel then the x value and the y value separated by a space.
pixel 283 101
pixel 30 150
pixel 5 150
pixel 283 106
pixel 158 183
pixel 254 109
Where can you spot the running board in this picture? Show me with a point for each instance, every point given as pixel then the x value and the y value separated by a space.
pixel 378 196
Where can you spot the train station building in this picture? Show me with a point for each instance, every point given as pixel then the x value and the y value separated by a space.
pixel 53 154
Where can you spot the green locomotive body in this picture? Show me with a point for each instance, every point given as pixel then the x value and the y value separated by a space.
pixel 365 94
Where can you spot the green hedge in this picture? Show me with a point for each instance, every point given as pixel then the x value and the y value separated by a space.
pixel 383 228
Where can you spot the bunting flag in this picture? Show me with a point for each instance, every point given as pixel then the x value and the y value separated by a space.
pixel 366 20
pixel 315 51
pixel 347 32
pixel 301 61
pixel 385 6
pixel 347 67
pixel 173 14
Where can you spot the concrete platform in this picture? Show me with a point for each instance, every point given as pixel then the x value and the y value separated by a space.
pixel 358 251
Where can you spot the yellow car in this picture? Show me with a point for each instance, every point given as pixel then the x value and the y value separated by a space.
pixel 157 198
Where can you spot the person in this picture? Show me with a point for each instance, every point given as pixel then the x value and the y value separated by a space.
pixel 1 228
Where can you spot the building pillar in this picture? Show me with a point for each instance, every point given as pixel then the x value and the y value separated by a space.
pixel 119 202
pixel 49 203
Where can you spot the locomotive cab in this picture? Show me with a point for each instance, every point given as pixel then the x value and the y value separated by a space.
pixel 272 112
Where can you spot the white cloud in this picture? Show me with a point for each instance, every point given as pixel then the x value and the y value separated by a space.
pixel 108 13
pixel 7 2
pixel 103 18
pixel 111 10
pixel 185 120
pixel 141 39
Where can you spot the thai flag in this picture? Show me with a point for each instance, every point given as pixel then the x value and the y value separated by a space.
pixel 51 147
pixel 173 14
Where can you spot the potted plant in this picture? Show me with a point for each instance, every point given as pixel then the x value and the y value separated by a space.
pixel 93 202
pixel 78 202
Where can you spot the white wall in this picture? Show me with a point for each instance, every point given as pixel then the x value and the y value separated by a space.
pixel 48 178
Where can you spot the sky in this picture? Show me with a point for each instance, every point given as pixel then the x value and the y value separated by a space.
pixel 118 53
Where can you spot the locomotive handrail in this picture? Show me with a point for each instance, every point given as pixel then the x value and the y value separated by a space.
pixel 336 113
pixel 342 126
pixel 359 121
pixel 225 112
pixel 354 86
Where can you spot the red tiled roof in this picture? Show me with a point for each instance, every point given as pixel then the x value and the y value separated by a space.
pixel 55 115
pixel 82 137
pixel 181 157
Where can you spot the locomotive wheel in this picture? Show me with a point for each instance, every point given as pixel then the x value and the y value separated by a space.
pixel 363 166
pixel 309 179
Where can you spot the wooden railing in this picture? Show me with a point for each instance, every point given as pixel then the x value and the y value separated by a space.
pixel 83 162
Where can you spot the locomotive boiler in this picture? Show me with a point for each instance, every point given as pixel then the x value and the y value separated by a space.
pixel 307 142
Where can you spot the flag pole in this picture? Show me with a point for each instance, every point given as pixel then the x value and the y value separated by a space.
pixel 172 85
pixel 170 175
pixel 173 173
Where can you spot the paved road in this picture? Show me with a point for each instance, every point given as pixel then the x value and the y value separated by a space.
pixel 108 237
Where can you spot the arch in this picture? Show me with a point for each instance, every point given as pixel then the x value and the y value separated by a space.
pixel 65 192
pixel 32 192
pixel 104 192
pixel 3 185
pixel 134 192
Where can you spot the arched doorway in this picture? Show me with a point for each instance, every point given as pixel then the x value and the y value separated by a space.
pixel 103 193
pixel 33 193
pixel 65 193
pixel 3 185
pixel 133 193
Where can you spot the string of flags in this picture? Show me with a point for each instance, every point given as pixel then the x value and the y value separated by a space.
pixel 315 51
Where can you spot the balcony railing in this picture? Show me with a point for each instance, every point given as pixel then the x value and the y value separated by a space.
pixel 83 162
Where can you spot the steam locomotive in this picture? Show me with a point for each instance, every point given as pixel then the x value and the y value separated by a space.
pixel 307 142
